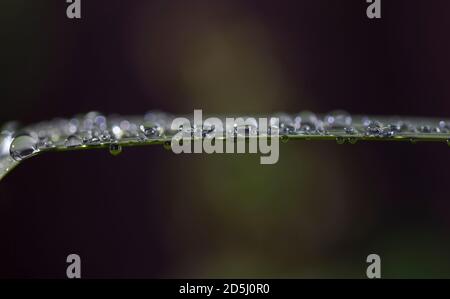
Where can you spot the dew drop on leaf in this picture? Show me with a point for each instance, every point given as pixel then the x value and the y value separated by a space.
pixel 23 146
pixel 115 149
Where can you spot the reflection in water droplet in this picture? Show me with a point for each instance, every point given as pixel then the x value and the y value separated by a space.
pixel 352 140
pixel 22 147
pixel 350 130
pixel 305 122
pixel 373 128
pixel 73 140
pixel 340 140
pixel 366 121
pixel 443 126
pixel 115 149
pixel 397 127
pixel 44 143
pixel 387 132
pixel 167 145
pixel 284 138
pixel 286 123
pixel 338 119
pixel 152 129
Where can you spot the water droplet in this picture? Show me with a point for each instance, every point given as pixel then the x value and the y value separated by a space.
pixel 387 132
pixel 152 129
pixel 73 140
pixel 115 149
pixel 105 137
pixel 404 126
pixel 117 132
pixel 86 136
pixel 284 138
pixel 424 129
pixel 23 146
pixel 366 121
pixel 340 140
pixel 350 130
pixel 44 143
pixel 352 140
pixel 167 145
pixel 304 129
pixel 305 122
pixel 338 119
pixel 373 128
pixel 100 121
pixel 286 124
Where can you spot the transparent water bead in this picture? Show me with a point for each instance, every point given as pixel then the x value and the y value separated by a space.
pixel 352 140
pixel 117 132
pixel 167 145
pixel 45 143
pixel 23 146
pixel 306 122
pixel 444 126
pixel 424 129
pixel 340 140
pixel 73 140
pixel 350 130
pixel 338 119
pixel 397 127
pixel 115 149
pixel 373 128
pixel 284 138
pixel 151 129
pixel 386 133
pixel 287 123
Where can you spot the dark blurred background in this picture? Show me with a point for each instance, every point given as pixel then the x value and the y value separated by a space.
pixel 150 214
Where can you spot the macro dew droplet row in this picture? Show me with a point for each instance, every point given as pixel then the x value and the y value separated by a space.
pixel 97 130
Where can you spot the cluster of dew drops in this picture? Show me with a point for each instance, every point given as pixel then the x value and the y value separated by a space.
pixel 94 129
